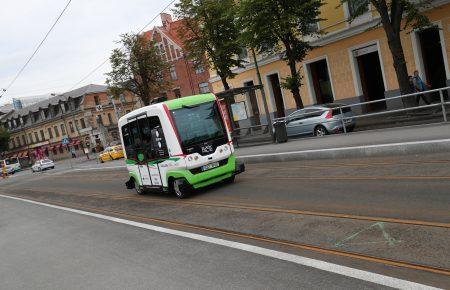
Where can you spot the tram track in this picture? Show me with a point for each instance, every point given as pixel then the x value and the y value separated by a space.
pixel 250 237
pixel 247 207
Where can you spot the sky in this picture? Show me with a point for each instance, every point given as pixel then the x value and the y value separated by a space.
pixel 82 40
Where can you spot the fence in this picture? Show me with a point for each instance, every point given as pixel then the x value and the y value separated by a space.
pixel 346 120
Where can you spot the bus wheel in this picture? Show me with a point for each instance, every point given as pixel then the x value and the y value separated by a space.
pixel 180 188
pixel 139 189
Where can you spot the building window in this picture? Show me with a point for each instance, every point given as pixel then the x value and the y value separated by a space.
pixel 99 120
pixel 63 129
pixel 71 127
pixel 83 124
pixel 50 134
pixel 24 140
pixel 203 88
pixel 42 135
pixel 110 119
pixel 36 136
pixel 13 143
pixel 97 100
pixel 199 69
pixel 177 93
pixel 18 141
pixel 30 137
pixel 56 131
pixel 66 107
pixel 122 98
pixel 76 124
pixel 243 54
pixel 355 6
pixel 173 73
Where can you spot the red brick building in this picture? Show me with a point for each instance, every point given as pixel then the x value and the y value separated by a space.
pixel 184 78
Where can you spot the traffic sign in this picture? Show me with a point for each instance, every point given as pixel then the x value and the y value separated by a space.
pixel 99 108
pixel 65 141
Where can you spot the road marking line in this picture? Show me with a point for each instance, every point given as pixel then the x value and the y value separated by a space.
pixel 99 168
pixel 347 148
pixel 309 262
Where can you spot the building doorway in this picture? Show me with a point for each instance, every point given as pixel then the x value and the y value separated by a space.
pixel 277 95
pixel 432 58
pixel 255 119
pixel 370 76
pixel 321 82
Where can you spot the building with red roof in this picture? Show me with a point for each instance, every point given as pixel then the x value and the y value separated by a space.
pixel 185 78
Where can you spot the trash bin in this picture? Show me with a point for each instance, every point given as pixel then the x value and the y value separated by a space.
pixel 280 132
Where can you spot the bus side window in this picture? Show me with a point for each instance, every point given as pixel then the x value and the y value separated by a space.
pixel 128 141
pixel 146 126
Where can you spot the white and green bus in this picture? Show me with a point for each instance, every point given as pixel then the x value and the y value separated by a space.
pixel 178 145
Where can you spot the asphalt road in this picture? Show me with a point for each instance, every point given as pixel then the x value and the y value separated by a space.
pixel 44 248
pixel 389 208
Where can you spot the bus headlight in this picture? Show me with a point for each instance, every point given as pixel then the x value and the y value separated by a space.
pixel 195 157
pixel 189 158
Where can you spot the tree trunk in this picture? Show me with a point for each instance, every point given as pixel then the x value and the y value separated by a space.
pixel 399 62
pixel 226 87
pixel 295 89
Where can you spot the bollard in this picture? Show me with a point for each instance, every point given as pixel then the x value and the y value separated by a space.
pixel 342 120
pixel 441 95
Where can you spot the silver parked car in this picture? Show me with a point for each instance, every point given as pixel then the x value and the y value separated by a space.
pixel 43 164
pixel 319 120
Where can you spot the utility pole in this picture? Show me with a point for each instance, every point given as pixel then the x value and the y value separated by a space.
pixel 263 93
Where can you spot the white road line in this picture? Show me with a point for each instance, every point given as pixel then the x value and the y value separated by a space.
pixel 348 148
pixel 313 263
pixel 99 168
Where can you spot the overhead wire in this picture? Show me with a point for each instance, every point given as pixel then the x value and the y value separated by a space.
pixel 106 60
pixel 36 50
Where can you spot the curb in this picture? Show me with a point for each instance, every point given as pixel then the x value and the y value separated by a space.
pixel 405 148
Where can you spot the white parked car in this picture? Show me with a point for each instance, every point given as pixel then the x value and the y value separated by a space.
pixel 43 164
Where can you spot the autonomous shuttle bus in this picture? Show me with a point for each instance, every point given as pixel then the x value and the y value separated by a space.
pixel 178 145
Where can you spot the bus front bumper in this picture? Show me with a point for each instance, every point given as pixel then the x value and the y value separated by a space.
pixel 211 176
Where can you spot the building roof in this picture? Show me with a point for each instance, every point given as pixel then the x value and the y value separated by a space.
pixel 89 89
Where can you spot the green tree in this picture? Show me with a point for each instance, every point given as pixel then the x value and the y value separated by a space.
pixel 280 26
pixel 391 14
pixel 4 140
pixel 210 35
pixel 137 67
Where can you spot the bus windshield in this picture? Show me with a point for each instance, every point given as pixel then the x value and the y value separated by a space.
pixel 198 123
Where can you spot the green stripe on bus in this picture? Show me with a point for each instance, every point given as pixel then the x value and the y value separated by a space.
pixel 189 101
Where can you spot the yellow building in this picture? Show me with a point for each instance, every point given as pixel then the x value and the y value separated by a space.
pixel 350 63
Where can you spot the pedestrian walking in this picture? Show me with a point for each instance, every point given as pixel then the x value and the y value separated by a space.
pixel 420 86
pixel 73 153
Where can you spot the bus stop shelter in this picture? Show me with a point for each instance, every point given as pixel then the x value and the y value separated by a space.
pixel 247 124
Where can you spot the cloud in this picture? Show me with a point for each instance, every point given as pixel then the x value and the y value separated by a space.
pixel 83 38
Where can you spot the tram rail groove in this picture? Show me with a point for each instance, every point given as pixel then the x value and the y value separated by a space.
pixel 384 261
pixel 254 208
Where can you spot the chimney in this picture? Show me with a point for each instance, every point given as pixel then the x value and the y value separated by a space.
pixel 166 19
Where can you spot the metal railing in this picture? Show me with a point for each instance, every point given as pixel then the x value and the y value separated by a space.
pixel 342 118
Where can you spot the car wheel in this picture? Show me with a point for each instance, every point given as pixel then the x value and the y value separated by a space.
pixel 101 160
pixel 180 188
pixel 53 167
pixel 320 131
pixel 39 169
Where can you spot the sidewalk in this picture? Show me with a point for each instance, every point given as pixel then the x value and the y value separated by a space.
pixel 421 139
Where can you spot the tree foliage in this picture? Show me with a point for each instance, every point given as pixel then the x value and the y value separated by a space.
pixel 280 26
pixel 137 67
pixel 391 14
pixel 210 34
pixel 4 139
